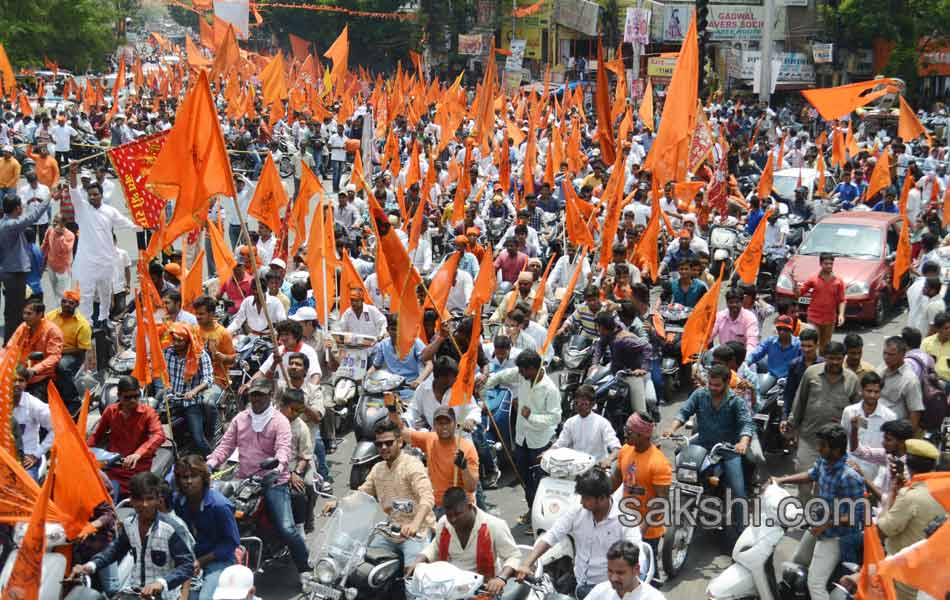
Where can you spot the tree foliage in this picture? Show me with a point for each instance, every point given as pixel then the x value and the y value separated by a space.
pixel 76 34
pixel 913 26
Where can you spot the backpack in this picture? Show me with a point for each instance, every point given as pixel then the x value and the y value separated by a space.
pixel 933 395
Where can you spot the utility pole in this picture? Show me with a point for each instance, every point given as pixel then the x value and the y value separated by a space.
pixel 765 52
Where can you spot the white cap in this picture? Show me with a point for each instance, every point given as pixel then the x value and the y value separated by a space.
pixel 278 262
pixel 8 148
pixel 304 313
pixel 350 187
pixel 234 583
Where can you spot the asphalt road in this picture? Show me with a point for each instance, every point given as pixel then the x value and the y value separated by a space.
pixel 707 558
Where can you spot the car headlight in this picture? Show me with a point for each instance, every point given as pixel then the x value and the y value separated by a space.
pixel 326 571
pixel 785 283
pixel 686 475
pixel 857 288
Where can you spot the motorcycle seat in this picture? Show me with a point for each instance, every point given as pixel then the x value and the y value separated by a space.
pixel 379 555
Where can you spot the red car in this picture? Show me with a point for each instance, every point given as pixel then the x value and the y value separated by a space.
pixel 864 244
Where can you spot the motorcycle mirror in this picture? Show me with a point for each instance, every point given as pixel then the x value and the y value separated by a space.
pixel 269 464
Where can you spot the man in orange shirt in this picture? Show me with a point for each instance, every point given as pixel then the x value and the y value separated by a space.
pixel 42 336
pixel 220 348
pixel 645 473
pixel 46 167
pixel 57 249
pixel 445 452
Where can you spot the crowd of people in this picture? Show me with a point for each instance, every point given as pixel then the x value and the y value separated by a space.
pixel 857 430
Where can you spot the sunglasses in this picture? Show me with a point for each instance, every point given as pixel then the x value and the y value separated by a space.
pixel 385 443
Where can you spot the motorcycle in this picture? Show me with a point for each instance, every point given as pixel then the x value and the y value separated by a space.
pixel 354 350
pixel 496 230
pixel 698 473
pixel 498 402
pixel 752 575
pixel 674 318
pixel 725 245
pixel 769 411
pixel 577 356
pixel 371 410
pixel 612 396
pixel 345 566
pixel 445 581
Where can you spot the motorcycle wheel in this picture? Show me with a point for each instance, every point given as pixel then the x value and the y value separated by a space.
pixel 670 384
pixel 675 548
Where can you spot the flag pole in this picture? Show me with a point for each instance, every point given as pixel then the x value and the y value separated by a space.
pixel 258 292
pixel 323 273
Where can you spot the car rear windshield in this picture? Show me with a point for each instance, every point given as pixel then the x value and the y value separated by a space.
pixel 858 241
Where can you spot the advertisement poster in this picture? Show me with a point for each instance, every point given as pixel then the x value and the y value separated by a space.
pixel 676 19
pixel 734 23
pixel 470 44
pixel 514 62
pixel 822 53
pixel 636 28
pixel 579 15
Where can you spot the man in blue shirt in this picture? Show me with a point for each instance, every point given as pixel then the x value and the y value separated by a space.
pixel 847 192
pixel 210 519
pixel 839 486
pixel 778 350
pixel 385 357
pixel 686 290
pixel 721 416
pixel 889 203
pixel 15 258
pixel 677 253
pixel 755 215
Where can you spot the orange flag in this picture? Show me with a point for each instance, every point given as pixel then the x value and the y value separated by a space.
pixel 647 249
pixel 765 181
pixel 224 261
pixel 273 83
pixel 193 165
pixel 484 284
pixel 310 186
pixel 838 158
pixel 319 258
pixel 227 54
pixel 605 126
pixel 924 565
pixel 350 280
pixel 414 174
pixel 206 33
pixel 700 323
pixel 909 127
pixel 192 279
pixel 538 303
pixel 83 490
pixel 24 104
pixel 562 307
pixel 441 285
pixel 339 53
pixel 820 167
pixel 141 371
pixel 577 230
pixel 646 106
pixel 27 574
pixel 873 586
pixel 269 197
pixel 7 78
pixel 834 103
pixel 747 265
pixel 464 384
pixel 669 154
pixel 195 59
pixel 300 48
pixel 83 417
pixel 850 144
pixel 902 261
pixel 10 359
pixel 405 281
pixel 881 176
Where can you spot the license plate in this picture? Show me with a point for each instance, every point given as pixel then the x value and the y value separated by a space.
pixel 805 300
pixel 695 489
pixel 322 591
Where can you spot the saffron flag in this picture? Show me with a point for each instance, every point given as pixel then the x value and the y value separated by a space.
pixel 83 490
pixel 881 176
pixel 7 78
pixel 577 229
pixel 837 102
pixel 464 384
pixel 405 281
pixel 299 47
pixel 485 282
pixel 902 261
pixel 192 278
pixel 273 83
pixel 538 303
pixel 647 250
pixel 350 280
pixel 133 163
pixel 224 260
pixel 562 307
pixel 227 54
pixel 193 165
pixel 27 573
pixel 873 586
pixel 10 359
pixel 909 127
pixel 605 126
pixel 270 197
pixel 441 285
pixel 700 323
pixel 141 371
pixel 339 53
pixel 924 565
pixel 747 265
pixel 765 181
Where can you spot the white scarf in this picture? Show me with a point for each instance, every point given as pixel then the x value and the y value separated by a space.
pixel 260 421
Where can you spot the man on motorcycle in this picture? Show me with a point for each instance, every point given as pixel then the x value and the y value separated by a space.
pixel 721 416
pixel 40 335
pixel 77 339
pixel 595 525
pixel 164 557
pixel 412 368
pixel 190 375
pixel 563 270
pixel 210 516
pixel 679 252
pixel 251 311
pixel 589 432
pixel 584 315
pixel 687 290
pixel 778 350
pixel 623 576
pixel 258 433
pixel 401 485
pixel 808 340
pixel 30 414
pixel 362 319
pixel 523 292
pixel 627 352
pixel 800 205
pixel 839 486
pixel 736 323
pixel 493 544
pixel 290 336
pixel 434 391
pixel 511 262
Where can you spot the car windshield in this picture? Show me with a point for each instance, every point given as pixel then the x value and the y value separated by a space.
pixel 843 239
pixel 784 185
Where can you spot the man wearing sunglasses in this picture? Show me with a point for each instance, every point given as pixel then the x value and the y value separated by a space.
pixel 401 485
pixel 134 432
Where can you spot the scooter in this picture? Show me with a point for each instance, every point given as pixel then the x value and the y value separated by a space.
pixel 769 412
pixel 674 318
pixel 370 410
pixel 752 575
pixel 725 244
pixel 445 581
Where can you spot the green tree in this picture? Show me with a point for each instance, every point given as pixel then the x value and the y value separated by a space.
pixel 76 34
pixel 914 26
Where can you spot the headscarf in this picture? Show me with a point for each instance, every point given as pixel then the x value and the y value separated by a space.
pixel 638 424
pixel 193 354
pixel 71 295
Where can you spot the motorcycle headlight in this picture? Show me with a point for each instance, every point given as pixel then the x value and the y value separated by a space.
pixel 857 288
pixel 785 283
pixel 687 475
pixel 573 360
pixel 326 571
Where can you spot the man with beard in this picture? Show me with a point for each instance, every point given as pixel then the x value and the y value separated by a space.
pixel 77 339
pixel 628 352
pixel 826 389
pixel 623 576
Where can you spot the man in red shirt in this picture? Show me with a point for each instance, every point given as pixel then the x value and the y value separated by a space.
pixel 826 308
pixel 238 287
pixel 511 261
pixel 134 432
